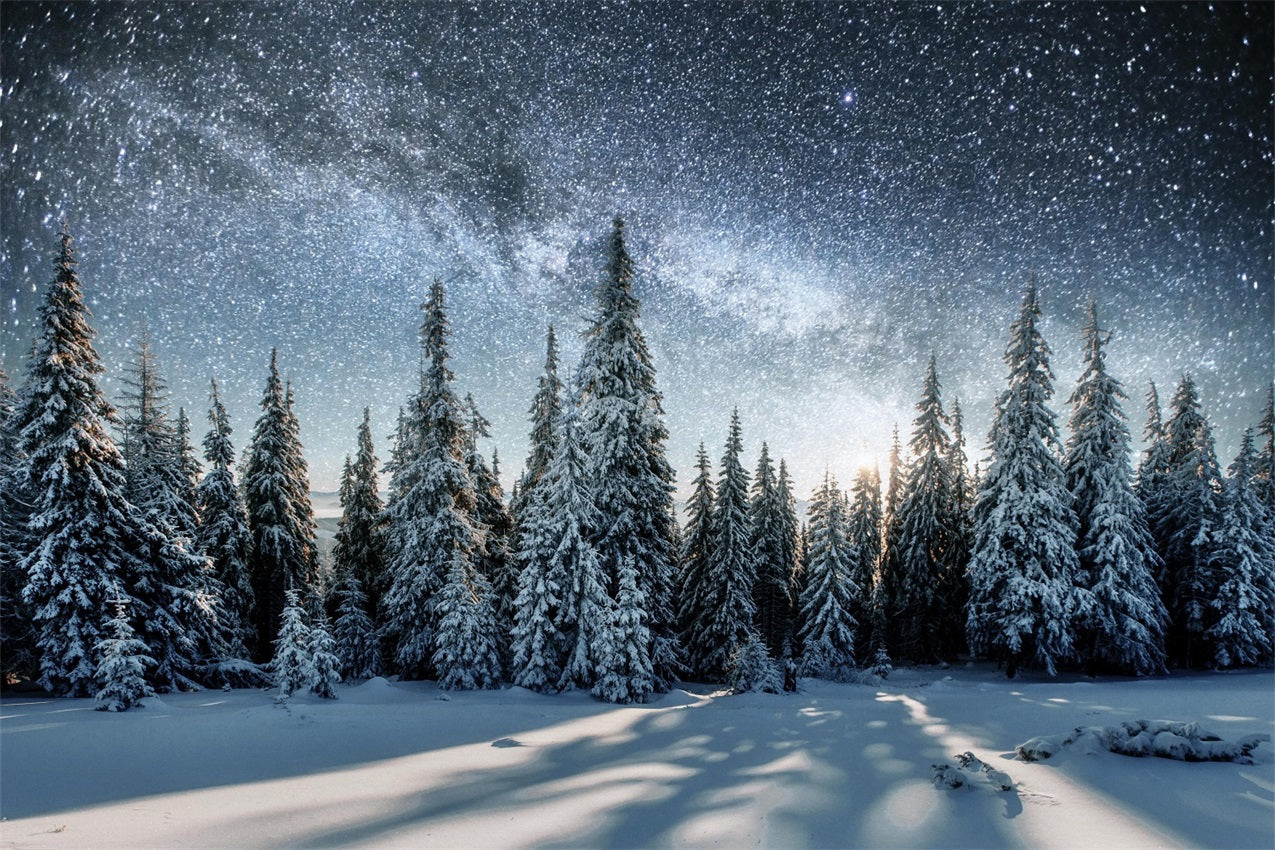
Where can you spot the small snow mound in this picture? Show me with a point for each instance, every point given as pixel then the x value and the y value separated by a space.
pixel 1163 738
pixel 506 743
pixel 677 697
pixel 376 683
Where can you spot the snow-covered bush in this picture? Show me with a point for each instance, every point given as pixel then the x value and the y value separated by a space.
pixel 751 669
pixel 1163 738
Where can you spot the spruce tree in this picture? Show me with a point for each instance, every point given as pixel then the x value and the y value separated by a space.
pixel 82 536
pixel 888 590
pixel 828 628
pixel 791 552
pixel 223 534
pixel 121 672
pixel 467 654
pixel 626 675
pixel 1122 626
pixel 291 663
pixel 726 618
pixel 546 407
pixel 955 590
pixel 493 557
pixel 865 543
pixel 430 514
pixel 623 431
pixel 1183 519
pixel 697 547
pixel 17 650
pixel 926 519
pixel 1023 595
pixel 538 644
pixel 357 551
pixel 279 514
pixel 357 644
pixel 771 544
pixel 1242 555
pixel 324 669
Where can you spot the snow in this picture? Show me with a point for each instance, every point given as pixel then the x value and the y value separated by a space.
pixel 390 763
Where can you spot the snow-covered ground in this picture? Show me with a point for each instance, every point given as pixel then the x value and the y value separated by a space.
pixel 403 764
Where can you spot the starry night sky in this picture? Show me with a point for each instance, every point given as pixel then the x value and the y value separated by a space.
pixel 818 195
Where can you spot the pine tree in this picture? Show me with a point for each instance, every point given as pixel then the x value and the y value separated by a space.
pixel 1242 555
pixel 955 591
pixel 751 669
pixel 927 526
pixel 539 646
pixel 82 536
pixel 121 672
pixel 828 628
pixel 865 543
pixel 358 549
pixel 323 673
pixel 546 407
pixel 18 659
pixel 358 646
pixel 223 534
pixel 493 557
pixel 1123 624
pixel 624 646
pixel 297 478
pixel 771 545
pixel 697 547
pixel 467 654
pixel 282 526
pixel 430 513
pixel 726 618
pixel 890 571
pixel 1264 465
pixel 791 552
pixel 1183 518
pixel 623 432
pixel 1023 596
pixel 292 660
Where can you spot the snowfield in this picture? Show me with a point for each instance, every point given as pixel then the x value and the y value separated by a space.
pixel 404 764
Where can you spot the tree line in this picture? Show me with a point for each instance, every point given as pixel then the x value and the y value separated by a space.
pixel 125 570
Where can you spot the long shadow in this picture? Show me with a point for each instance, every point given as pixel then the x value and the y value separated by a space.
pixel 695 775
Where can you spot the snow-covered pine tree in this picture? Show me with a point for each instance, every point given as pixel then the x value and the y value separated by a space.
pixel 793 552
pixel 751 669
pixel 324 672
pixel 82 535
pixel 297 478
pixel 18 659
pixel 282 529
pixel 188 478
pixel 292 662
pixel 890 573
pixel 623 432
pixel 726 616
pixel 1264 465
pixel 697 546
pixel 865 544
pixel 771 544
pixel 828 628
pixel 492 558
pixel 1183 519
pixel 539 646
pixel 1242 555
pixel 568 556
pixel 223 534
pixel 430 512
pixel 626 675
pixel 358 645
pixel 546 407
pixel 955 591
pixel 467 645
pixel 1121 624
pixel 121 672
pixel 1022 569
pixel 358 549
pixel 926 520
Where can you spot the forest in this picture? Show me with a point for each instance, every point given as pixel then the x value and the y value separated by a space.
pixel 130 568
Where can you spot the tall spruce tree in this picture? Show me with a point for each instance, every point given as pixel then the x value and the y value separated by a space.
pixel 494 559
pixel 1122 624
pixel 223 534
pixel 298 480
pixel 627 675
pixel 1183 519
pixel 889 587
pixel 623 431
pixel 83 536
pixel 1023 596
pixel 1242 612
pixel 828 628
pixel 955 591
pixel 791 552
pixel 358 550
pixel 726 618
pixel 697 547
pixel 927 528
pixel 283 547
pixel 432 529
pixel 771 544
pixel 546 407
pixel 865 544
pixel 17 650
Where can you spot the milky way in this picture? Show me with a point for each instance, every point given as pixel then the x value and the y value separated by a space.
pixel 818 196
